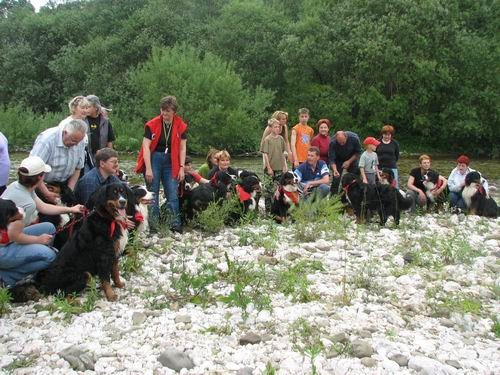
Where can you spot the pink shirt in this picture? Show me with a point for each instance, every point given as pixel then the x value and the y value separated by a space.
pixel 322 142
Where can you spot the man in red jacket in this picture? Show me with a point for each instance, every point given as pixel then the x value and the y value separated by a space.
pixel 162 157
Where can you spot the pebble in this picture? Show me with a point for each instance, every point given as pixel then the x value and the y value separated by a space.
pixel 250 338
pixel 341 337
pixel 400 359
pixel 182 319
pixel 138 318
pixel 268 260
pixel 429 366
pixel 78 358
pixel 368 362
pixel 175 360
pixel 361 349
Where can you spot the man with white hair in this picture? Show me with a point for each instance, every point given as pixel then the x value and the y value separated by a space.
pixel 62 148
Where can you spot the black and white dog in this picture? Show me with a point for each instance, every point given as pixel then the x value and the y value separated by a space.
pixel 286 195
pixel 204 194
pixel 476 198
pixel 248 190
pixel 142 198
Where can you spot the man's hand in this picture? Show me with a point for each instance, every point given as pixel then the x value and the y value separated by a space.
pixel 336 173
pixel 52 197
pixel 296 163
pixel 148 175
pixel 421 196
pixel 78 209
pixel 270 171
pixel 130 224
pixel 346 164
pixel 181 175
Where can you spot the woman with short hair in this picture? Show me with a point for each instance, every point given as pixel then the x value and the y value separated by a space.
pixel 388 152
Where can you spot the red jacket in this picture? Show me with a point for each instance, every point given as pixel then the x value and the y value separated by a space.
pixel 156 127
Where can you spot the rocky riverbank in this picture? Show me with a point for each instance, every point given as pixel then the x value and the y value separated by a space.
pixel 422 298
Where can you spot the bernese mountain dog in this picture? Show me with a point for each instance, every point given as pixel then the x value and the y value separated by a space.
pixel 94 249
pixel 432 182
pixel 248 190
pixel 476 198
pixel 215 191
pixel 286 195
pixel 384 199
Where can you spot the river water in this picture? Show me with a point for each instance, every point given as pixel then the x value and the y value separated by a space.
pixel 490 169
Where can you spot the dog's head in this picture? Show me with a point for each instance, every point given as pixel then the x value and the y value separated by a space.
pixel 431 177
pixel 189 182
pixel 223 178
pixel 387 176
pixel 289 181
pixel 251 184
pixel 142 194
pixel 122 176
pixel 66 195
pixel 112 200
pixel 9 213
pixel 472 177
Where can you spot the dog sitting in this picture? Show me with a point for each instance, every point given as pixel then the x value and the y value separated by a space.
pixel 286 195
pixel 476 198
pixel 94 249
pixel 141 199
pixel 384 199
pixel 433 182
pixel 248 190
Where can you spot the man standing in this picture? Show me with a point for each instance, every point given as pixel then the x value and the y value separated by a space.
pixel 101 132
pixel 61 148
pixel 103 174
pixel 313 174
pixel 344 152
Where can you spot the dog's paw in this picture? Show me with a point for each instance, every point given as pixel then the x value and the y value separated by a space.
pixel 111 297
pixel 119 284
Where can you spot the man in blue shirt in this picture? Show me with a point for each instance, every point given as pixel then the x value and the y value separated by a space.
pixel 313 174
pixel 104 174
pixel 344 153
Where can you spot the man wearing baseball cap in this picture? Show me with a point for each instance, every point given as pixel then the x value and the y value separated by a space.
pixel 101 132
pixel 368 162
pixel 22 192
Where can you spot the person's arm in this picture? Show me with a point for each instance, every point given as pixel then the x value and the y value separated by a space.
pixel 182 159
pixel 283 163
pixel 363 174
pixel 332 156
pixel 355 156
pixel 287 143
pixel 111 136
pixel 16 234
pixel 377 173
pixel 443 185
pixel 268 165
pixel 293 140
pixel 146 153
pixel 50 209
pixel 325 179
pixel 396 150
pixel 51 196
pixel 74 179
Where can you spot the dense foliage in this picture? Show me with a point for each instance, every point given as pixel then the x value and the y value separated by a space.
pixel 429 67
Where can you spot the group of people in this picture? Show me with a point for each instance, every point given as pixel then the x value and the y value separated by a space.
pixel 78 154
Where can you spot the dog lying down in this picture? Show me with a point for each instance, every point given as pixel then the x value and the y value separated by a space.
pixel 93 250
pixel 476 198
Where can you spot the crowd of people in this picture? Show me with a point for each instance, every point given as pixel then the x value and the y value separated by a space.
pixel 78 154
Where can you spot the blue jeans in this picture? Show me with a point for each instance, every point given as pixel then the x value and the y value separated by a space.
pixel 322 190
pixel 20 260
pixel 456 200
pixel 161 164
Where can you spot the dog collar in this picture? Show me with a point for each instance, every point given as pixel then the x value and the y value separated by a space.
pixel 242 194
pixel 346 188
pixel 293 195
pixel 113 227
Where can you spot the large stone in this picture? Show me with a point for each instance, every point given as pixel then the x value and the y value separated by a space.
pixel 429 366
pixel 361 349
pixel 453 363
pixel 245 371
pixel 78 358
pixel 138 318
pixel 182 319
pixel 341 337
pixel 268 260
pixel 175 360
pixel 400 359
pixel 250 338
pixel 368 362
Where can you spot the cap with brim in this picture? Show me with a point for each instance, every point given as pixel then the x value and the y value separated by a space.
pixel 34 165
pixel 371 141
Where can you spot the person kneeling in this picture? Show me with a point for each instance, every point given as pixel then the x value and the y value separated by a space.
pixel 313 175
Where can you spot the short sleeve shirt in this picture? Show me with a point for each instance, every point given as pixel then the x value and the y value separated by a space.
pixel 305 173
pixel 368 161
pixel 23 198
pixel 304 135
pixel 416 173
pixel 274 147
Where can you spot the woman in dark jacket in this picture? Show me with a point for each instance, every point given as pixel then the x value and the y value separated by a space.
pixel 388 152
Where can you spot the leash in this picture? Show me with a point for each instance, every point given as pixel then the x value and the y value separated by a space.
pixel 73 222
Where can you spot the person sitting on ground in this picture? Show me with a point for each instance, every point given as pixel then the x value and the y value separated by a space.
pixel 23 250
pixel 388 152
pixel 4 162
pixel 63 148
pixel 223 164
pixel 416 188
pixel 368 162
pixel 22 192
pixel 211 162
pixel 344 152
pixel 322 140
pixel 313 175
pixel 456 182
pixel 105 173
pixel 100 130
pixel 302 135
pixel 188 167
pixel 274 152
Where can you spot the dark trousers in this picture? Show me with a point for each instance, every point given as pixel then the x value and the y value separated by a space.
pixel 336 187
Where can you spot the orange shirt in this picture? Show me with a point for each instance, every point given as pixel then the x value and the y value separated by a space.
pixel 304 134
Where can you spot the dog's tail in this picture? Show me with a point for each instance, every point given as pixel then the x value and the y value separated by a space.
pixel 404 200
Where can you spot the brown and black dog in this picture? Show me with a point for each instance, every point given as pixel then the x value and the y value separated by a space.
pixel 94 249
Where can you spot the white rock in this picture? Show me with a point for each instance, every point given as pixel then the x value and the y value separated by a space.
pixel 429 366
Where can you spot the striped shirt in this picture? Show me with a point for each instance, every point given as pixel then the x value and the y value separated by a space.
pixel 64 160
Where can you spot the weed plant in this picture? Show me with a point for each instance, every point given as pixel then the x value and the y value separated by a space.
pixel 314 216
pixel 495 328
pixel 133 260
pixel 193 288
pixel 293 281
pixel 19 363
pixel 217 215
pixel 5 298
pixel 306 338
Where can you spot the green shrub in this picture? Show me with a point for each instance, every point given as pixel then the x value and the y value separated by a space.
pixel 5 298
